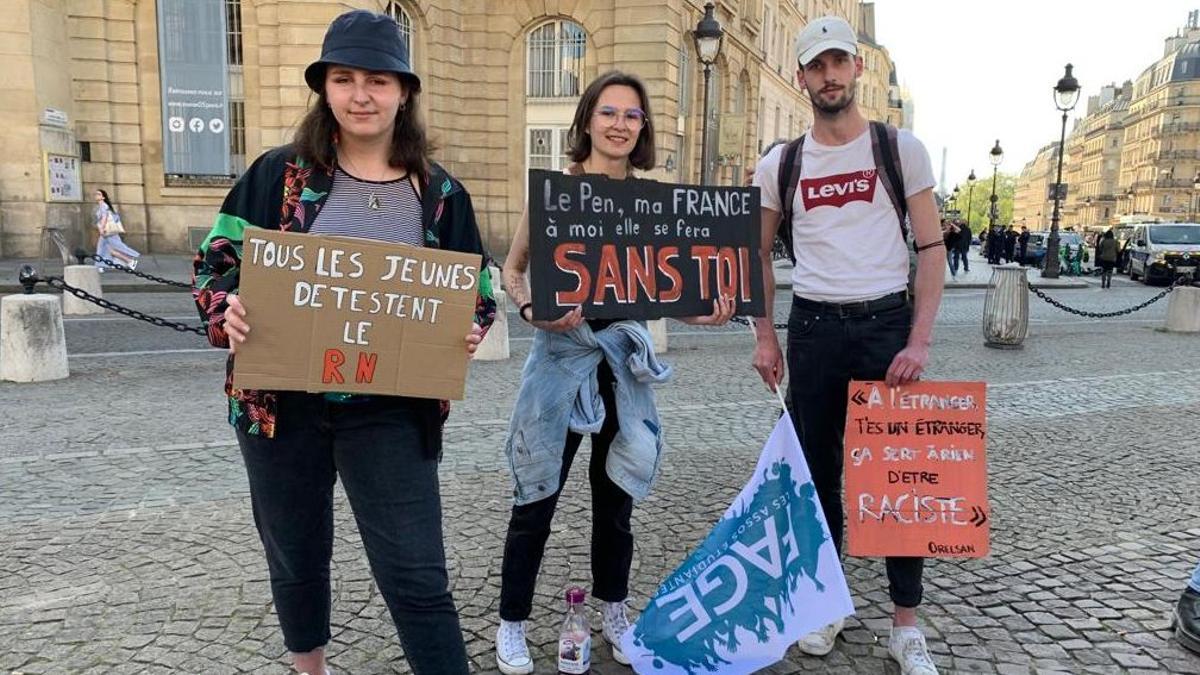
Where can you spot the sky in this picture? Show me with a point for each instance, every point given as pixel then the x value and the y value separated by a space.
pixel 981 71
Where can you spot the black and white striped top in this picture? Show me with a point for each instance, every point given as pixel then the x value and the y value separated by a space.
pixel 348 213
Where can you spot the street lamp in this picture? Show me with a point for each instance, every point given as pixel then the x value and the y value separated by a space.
pixel 1066 95
pixel 708 35
pixel 995 156
pixel 970 196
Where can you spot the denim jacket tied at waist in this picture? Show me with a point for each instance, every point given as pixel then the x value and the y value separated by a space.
pixel 559 392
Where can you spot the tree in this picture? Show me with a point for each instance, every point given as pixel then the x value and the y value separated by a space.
pixel 1005 188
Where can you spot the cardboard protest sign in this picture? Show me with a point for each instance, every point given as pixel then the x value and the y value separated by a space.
pixel 916 470
pixel 640 249
pixel 354 316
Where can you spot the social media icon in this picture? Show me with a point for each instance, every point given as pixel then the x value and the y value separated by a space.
pixel 175 124
pixel 196 124
pixel 216 125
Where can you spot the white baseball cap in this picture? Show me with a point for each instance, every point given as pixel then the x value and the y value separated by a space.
pixel 823 34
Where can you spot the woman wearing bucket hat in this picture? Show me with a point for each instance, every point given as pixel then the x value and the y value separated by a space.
pixel 358 167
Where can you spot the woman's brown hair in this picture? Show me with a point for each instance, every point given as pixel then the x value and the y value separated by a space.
pixel 316 136
pixel 642 156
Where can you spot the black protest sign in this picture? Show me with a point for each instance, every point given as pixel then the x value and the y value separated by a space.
pixel 640 249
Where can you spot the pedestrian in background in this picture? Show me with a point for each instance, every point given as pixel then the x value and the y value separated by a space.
pixel 1023 245
pixel 612 134
pixel 358 167
pixel 950 236
pixel 1106 257
pixel 995 245
pixel 108 234
pixel 963 247
pixel 1010 244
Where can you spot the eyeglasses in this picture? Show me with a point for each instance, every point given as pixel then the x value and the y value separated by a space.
pixel 634 117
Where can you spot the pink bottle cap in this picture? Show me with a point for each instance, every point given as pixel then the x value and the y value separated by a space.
pixel 576 595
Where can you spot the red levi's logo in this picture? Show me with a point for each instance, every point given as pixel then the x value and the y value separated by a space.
pixel 839 190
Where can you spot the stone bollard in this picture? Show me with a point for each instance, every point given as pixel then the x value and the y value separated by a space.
pixel 86 278
pixel 495 344
pixel 658 333
pixel 33 346
pixel 1183 310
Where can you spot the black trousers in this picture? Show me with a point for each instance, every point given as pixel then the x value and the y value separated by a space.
pixel 612 537
pixel 378 448
pixel 825 352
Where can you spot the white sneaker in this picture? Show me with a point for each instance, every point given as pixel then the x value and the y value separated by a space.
pixel 512 653
pixel 615 625
pixel 133 264
pixel 907 646
pixel 820 642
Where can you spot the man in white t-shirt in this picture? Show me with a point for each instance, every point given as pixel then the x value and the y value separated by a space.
pixel 851 317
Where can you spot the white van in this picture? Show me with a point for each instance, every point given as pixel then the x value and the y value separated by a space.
pixel 1162 252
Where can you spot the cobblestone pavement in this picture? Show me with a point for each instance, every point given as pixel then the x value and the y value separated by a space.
pixel 129 547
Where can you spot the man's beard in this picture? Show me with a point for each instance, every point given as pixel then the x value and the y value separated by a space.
pixel 833 109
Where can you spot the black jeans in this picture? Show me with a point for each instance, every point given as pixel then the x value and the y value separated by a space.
pixel 612 537
pixel 378 448
pixel 826 351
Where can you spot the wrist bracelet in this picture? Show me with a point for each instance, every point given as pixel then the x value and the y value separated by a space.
pixel 521 312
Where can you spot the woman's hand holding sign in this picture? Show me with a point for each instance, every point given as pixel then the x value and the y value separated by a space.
pixel 723 309
pixel 473 339
pixel 567 322
pixel 235 322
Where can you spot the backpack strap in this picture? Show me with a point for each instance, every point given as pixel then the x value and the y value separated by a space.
pixel 885 146
pixel 789 179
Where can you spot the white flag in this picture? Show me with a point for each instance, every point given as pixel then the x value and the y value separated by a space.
pixel 766 575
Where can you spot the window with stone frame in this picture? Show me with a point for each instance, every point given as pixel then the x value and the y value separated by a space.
pixel 402 17
pixel 547 148
pixel 555 66
pixel 237 87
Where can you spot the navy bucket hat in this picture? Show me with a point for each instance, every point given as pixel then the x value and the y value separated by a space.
pixel 363 39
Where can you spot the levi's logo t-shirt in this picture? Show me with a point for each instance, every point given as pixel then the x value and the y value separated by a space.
pixel 839 190
pixel 847 237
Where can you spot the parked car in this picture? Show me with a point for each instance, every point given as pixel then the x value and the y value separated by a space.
pixel 1035 253
pixel 1162 252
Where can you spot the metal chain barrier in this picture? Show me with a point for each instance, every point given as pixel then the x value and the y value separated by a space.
pixel 1107 315
pixel 57 282
pixel 129 270
pixel 1041 294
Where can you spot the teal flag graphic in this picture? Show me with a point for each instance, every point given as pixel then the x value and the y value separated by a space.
pixel 766 575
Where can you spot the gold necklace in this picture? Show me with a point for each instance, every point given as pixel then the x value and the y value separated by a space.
pixel 373 202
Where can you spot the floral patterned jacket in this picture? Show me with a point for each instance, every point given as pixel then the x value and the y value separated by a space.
pixel 280 191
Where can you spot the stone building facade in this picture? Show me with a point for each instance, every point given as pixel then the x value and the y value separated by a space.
pixel 1135 154
pixel 501 81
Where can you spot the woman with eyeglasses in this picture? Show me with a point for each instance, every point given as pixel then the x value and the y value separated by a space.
pixel 612 134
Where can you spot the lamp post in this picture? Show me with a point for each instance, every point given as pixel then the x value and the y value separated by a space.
pixel 995 157
pixel 1066 94
pixel 708 35
pixel 970 195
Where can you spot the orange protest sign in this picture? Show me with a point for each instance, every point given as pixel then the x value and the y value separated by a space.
pixel 916 470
